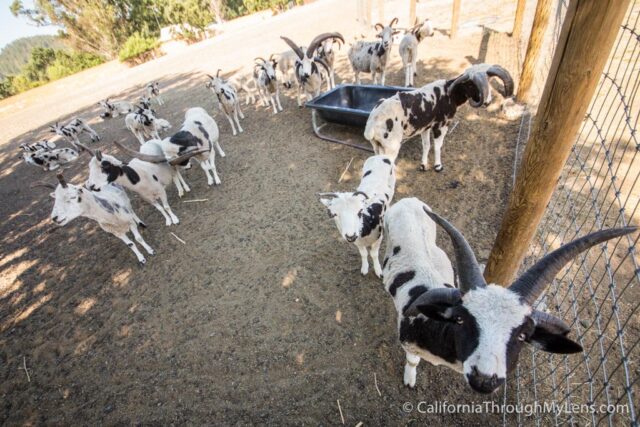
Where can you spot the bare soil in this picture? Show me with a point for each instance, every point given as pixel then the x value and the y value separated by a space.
pixel 262 317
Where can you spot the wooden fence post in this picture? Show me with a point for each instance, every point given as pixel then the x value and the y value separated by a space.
pixel 517 21
pixel 455 14
pixel 577 66
pixel 536 40
pixel 412 12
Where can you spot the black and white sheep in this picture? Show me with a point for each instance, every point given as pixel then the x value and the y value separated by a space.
pixel 373 56
pixel 359 214
pixel 50 159
pixel 408 48
pixel 309 68
pixel 72 130
pixel 115 108
pixel 227 99
pixel 429 110
pixel 327 53
pixel 145 125
pixel 152 91
pixel 264 74
pixel 110 208
pixel 476 329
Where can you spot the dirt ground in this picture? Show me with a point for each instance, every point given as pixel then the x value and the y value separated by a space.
pixel 262 317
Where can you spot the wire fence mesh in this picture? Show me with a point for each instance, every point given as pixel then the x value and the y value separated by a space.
pixel 598 294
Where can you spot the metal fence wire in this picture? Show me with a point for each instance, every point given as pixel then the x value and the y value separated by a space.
pixel 598 294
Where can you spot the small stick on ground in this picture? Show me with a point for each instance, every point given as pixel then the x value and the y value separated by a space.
pixel 340 409
pixel 375 381
pixel 26 371
pixel 179 239
pixel 345 171
pixel 195 200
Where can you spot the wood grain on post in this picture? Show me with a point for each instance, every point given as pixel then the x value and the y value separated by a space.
pixel 517 21
pixel 536 40
pixel 455 14
pixel 577 66
pixel 412 12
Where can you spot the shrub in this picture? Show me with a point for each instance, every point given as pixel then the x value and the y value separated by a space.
pixel 137 49
pixel 67 63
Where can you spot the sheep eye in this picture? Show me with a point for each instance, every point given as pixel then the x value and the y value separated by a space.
pixel 459 320
pixel 522 337
pixel 331 214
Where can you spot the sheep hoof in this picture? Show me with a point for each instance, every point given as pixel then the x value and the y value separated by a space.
pixel 438 168
pixel 142 262
pixel 423 168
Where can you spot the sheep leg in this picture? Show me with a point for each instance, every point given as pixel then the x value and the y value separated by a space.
pixel 374 252
pixel 94 135
pixel 167 208
pixel 211 164
pixel 138 220
pixel 382 76
pixel 438 134
pixel 333 78
pixel 233 128
pixel 278 99
pixel 185 186
pixel 138 134
pixel 235 117
pixel 426 147
pixel 139 239
pixel 217 145
pixel 410 369
pixel 357 77
pixel 141 259
pixel 414 67
pixel 373 77
pixel 364 269
pixel 167 218
pixel 178 185
pixel 299 96
pixel 239 110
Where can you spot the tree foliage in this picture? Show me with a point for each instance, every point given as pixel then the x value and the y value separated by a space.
pixel 136 46
pixel 16 54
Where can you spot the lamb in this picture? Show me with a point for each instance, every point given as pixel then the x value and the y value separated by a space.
pixel 408 48
pixel 429 110
pixel 199 132
pixel 286 66
pixel 43 144
pixel 476 329
pixel 144 125
pixel 326 53
pixel 228 100
pixel 115 108
pixel 372 57
pixel 244 83
pixel 111 209
pixel 50 159
pixel 72 130
pixel 152 91
pixel 308 68
pixel 359 215
pixel 147 179
pixel 264 75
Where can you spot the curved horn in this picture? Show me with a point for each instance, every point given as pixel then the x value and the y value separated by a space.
pixel 208 75
pixel 43 184
pixel 294 47
pixel 462 78
pixel 379 25
pixel 393 22
pixel 551 322
pixel 98 155
pixel 186 156
pixel 319 39
pixel 218 72
pixel 61 180
pixel 355 193
pixel 502 74
pixel 481 82
pixel 259 58
pixel 533 282
pixel 442 296
pixel 468 268
pixel 144 157
pixel 84 147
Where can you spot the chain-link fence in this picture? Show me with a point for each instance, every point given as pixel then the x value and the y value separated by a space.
pixel 598 294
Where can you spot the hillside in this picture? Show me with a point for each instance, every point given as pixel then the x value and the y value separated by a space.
pixel 16 54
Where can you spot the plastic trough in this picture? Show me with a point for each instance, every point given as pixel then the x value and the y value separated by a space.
pixel 348 105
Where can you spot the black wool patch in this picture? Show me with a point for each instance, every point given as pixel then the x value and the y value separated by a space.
pixel 400 280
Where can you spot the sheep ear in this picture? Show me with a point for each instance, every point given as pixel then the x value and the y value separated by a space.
pixel 326 202
pixel 52 195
